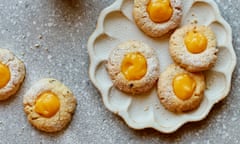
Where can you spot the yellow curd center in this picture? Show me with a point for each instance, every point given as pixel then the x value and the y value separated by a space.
pixel 47 104
pixel 195 42
pixel 159 10
pixel 4 75
pixel 134 66
pixel 183 86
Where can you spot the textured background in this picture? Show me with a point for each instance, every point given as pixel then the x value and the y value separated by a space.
pixel 50 36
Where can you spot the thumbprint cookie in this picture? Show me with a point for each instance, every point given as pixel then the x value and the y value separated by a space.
pixel 12 73
pixel 194 47
pixel 179 90
pixel 133 67
pixel 157 17
pixel 49 105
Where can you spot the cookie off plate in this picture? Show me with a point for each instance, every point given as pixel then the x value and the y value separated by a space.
pixel 116 25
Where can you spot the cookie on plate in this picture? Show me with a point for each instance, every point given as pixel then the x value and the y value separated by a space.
pixel 194 47
pixel 49 105
pixel 12 73
pixel 179 90
pixel 133 67
pixel 157 17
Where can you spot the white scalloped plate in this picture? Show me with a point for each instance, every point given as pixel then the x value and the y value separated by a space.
pixel 116 25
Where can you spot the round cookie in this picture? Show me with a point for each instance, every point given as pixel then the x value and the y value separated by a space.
pixel 156 29
pixel 197 60
pixel 49 105
pixel 12 73
pixel 116 64
pixel 171 97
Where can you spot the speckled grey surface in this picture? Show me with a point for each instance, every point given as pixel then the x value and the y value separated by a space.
pixel 50 36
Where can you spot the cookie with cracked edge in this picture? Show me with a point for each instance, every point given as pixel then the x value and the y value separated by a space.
pixel 12 72
pixel 120 81
pixel 49 105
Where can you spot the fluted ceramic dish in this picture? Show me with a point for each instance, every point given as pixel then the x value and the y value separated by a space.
pixel 116 25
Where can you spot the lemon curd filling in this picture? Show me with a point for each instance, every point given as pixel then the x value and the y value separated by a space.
pixel 159 10
pixel 4 75
pixel 134 66
pixel 183 86
pixel 195 42
pixel 47 104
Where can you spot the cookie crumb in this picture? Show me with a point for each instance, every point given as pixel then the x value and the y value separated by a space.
pixel 146 108
pixel 157 106
pixel 37 45
pixel 23 53
pixel 40 36
pixel 194 22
